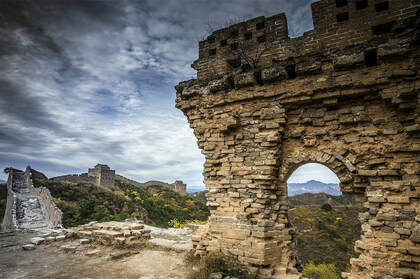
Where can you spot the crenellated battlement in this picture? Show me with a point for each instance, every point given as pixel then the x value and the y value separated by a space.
pixel 263 42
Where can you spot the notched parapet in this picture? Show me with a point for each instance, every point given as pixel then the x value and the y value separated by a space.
pixel 347 34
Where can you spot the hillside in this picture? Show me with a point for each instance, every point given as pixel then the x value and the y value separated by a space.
pixel 84 202
pixel 200 195
pixel 318 199
pixel 325 234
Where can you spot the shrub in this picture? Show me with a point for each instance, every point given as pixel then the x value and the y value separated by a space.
pixel 321 271
pixel 327 207
pixel 215 263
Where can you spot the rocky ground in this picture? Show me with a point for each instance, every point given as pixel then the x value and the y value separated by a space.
pixel 74 256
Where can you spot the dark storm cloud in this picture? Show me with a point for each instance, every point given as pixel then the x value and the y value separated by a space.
pixel 24 108
pixel 87 81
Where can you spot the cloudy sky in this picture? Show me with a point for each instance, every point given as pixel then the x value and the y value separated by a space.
pixel 88 81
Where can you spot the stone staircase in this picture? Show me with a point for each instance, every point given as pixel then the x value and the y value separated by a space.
pixel 29 213
pixel 29 208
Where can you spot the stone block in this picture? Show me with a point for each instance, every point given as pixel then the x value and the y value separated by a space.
pixel 119 255
pixel 398 199
pixel 120 240
pixel 402 231
pixel 84 233
pixel 367 172
pixel 60 237
pixel 219 84
pixel 84 241
pixel 190 91
pixel 28 247
pixel 218 275
pixel 413 128
pixel 237 234
pixel 275 73
pixel 348 61
pixel 95 252
pixel 415 234
pixel 387 235
pixel 245 79
pixel 37 240
pixel 69 248
pixel 49 239
pixel 311 68
pixel 415 251
pixel 136 226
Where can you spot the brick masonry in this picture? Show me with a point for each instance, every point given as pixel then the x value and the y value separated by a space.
pixel 345 95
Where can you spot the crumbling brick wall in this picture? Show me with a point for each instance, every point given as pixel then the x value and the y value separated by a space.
pixel 345 95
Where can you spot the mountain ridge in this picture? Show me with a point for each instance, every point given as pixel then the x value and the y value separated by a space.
pixel 313 186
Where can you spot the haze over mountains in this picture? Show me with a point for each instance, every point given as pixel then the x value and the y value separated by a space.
pixel 3 181
pixel 313 186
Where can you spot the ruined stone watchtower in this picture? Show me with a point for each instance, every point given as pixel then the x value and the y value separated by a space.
pixel 345 95
pixel 104 175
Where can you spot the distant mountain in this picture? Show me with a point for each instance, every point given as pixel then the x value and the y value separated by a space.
pixel 3 181
pixel 313 186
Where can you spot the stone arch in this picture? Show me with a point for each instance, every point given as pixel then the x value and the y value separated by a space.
pixel 293 161
pixel 287 261
pixel 340 166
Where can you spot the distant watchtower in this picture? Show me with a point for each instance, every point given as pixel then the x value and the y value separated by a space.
pixel 104 175
pixel 180 187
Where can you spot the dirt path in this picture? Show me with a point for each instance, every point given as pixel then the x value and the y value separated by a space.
pixel 51 261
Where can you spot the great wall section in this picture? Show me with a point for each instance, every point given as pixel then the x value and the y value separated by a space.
pixel 345 95
pixel 102 175
pixel 29 208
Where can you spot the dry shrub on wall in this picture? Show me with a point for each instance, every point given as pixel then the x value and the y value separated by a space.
pixel 321 271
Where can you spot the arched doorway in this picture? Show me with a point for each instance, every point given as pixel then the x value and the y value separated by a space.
pixel 325 222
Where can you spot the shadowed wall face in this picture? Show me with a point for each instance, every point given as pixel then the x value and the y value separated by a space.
pixel 353 109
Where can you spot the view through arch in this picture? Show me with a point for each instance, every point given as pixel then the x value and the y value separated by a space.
pixel 326 222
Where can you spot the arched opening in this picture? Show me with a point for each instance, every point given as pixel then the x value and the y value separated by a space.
pixel 326 222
